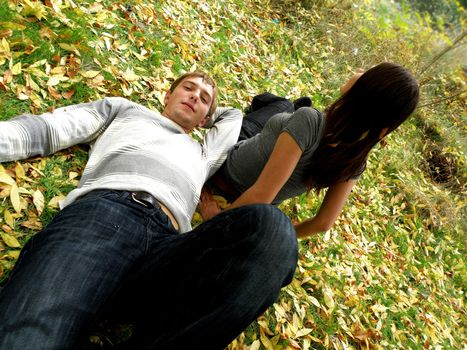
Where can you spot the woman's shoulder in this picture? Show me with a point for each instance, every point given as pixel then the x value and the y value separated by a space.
pixel 308 112
pixel 306 117
pixel 305 126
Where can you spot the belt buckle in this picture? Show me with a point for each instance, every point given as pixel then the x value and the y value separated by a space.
pixel 133 196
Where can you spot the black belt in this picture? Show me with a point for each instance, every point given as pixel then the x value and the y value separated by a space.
pixel 149 201
pixel 145 199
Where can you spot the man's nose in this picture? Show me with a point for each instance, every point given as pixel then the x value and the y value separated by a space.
pixel 195 95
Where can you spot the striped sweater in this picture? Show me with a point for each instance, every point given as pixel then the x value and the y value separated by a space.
pixel 132 148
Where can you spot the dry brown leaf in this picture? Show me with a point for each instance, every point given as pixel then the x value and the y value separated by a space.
pixel 32 223
pixel 6 33
pixel 68 94
pixel 5 191
pixel 46 32
pixel 7 77
pixel 54 93
pixel 54 4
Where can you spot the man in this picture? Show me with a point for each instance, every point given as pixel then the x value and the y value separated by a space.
pixel 122 242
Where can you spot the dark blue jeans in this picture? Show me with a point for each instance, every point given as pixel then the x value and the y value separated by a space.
pixel 262 108
pixel 106 254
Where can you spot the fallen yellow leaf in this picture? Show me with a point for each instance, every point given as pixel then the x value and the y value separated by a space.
pixel 129 75
pixel 15 199
pixel 36 9
pixel 314 301
pixel 6 179
pixel 56 79
pixel 265 341
pixel 328 298
pixel 302 332
pixel 19 171
pixel 10 241
pixel 9 218
pixel 69 47
pixel 60 70
pixel 90 74
pixel 255 345
pixel 38 200
pixel 14 254
pixel 16 69
pixel 54 202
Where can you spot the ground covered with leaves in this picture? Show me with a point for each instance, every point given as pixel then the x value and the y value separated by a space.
pixel 391 272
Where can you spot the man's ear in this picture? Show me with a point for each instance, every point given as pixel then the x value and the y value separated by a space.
pixel 204 122
pixel 166 97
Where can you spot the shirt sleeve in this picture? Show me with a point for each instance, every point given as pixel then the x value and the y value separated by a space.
pixel 304 126
pixel 26 136
pixel 221 137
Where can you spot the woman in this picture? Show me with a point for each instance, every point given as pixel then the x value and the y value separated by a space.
pixel 306 150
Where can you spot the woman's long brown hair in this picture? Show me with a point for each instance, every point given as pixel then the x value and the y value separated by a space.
pixel 383 97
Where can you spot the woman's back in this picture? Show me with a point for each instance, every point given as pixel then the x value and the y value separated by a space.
pixel 247 159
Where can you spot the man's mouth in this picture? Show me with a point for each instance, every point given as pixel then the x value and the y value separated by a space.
pixel 189 105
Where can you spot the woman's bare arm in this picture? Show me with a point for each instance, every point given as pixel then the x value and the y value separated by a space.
pixel 276 172
pixel 332 205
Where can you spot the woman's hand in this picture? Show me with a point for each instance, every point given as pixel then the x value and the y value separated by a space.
pixel 332 205
pixel 208 207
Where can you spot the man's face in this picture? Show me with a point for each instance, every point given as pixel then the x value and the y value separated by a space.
pixel 188 105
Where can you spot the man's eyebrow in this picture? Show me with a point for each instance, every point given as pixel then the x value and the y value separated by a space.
pixel 203 90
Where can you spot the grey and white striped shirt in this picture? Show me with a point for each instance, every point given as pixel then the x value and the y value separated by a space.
pixel 132 148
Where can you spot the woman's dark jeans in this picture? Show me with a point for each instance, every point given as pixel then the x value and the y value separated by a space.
pixel 106 254
pixel 262 108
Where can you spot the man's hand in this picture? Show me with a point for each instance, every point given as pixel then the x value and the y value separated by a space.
pixel 208 207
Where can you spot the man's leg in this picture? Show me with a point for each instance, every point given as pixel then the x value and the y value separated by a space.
pixel 66 273
pixel 203 288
